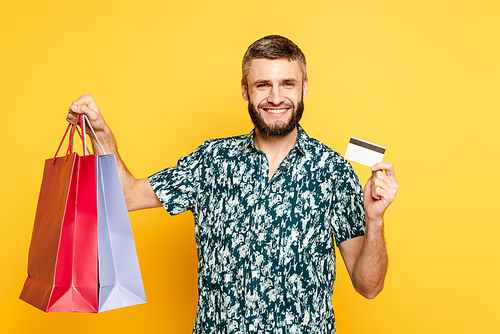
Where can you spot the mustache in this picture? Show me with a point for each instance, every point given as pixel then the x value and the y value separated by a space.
pixel 272 105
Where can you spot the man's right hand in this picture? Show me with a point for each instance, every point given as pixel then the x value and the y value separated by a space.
pixel 85 104
pixel 138 193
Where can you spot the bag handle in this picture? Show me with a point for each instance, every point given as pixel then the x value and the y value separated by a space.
pixel 82 119
pixel 72 136
pixel 60 144
pixel 80 135
pixel 93 132
pixel 70 147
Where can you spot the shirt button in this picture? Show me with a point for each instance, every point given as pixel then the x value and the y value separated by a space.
pixel 262 196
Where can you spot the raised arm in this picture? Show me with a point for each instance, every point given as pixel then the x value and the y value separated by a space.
pixel 366 257
pixel 138 192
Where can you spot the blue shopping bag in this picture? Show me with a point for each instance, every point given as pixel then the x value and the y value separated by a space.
pixel 120 281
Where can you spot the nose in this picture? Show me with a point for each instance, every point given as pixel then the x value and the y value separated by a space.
pixel 275 95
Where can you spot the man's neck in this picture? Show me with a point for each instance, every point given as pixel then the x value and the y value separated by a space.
pixel 276 149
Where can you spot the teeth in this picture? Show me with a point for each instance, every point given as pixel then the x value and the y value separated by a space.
pixel 276 111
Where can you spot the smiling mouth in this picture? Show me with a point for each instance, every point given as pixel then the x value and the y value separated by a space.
pixel 275 111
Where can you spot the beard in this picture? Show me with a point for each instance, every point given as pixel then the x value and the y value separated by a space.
pixel 280 129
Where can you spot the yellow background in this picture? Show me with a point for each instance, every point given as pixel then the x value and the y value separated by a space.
pixel 420 77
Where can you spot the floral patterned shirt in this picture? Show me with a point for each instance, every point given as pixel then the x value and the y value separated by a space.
pixel 266 259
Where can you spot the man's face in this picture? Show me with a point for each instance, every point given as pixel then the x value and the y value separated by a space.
pixel 274 94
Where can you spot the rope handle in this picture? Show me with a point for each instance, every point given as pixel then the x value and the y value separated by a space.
pixel 70 146
pixel 93 132
pixel 72 137
pixel 86 147
pixel 82 119
pixel 60 144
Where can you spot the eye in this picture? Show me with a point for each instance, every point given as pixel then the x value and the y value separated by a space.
pixel 288 84
pixel 262 85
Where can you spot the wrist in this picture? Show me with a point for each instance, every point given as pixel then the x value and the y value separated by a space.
pixel 105 138
pixel 375 222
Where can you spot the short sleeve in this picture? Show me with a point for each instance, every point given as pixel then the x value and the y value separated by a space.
pixel 176 187
pixel 348 208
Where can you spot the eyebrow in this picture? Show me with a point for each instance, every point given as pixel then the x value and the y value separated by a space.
pixel 262 81
pixel 266 81
pixel 289 80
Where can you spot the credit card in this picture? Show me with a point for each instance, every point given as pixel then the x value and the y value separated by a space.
pixel 364 152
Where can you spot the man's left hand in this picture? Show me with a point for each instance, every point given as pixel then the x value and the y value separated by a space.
pixel 380 190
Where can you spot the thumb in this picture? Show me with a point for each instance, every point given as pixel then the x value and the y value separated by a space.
pixel 367 193
pixel 86 100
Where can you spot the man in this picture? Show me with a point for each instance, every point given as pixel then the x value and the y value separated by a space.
pixel 266 207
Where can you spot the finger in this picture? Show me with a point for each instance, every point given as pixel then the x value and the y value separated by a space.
pixel 386 197
pixel 78 108
pixel 376 184
pixel 367 192
pixel 389 175
pixel 368 185
pixel 86 99
pixel 88 111
pixel 370 188
pixel 75 108
pixel 381 177
pixel 384 166
pixel 71 117
pixel 385 182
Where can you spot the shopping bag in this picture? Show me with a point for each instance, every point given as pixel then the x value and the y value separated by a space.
pixel 120 281
pixel 62 260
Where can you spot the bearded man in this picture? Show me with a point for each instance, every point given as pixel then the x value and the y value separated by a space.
pixel 268 206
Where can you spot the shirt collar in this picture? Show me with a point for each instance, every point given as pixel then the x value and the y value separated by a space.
pixel 300 145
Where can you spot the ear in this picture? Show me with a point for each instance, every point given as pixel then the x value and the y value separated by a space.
pixel 244 91
pixel 305 87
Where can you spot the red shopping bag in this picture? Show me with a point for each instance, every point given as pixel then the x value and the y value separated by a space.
pixel 62 260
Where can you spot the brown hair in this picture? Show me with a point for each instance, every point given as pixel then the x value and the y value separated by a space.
pixel 273 47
